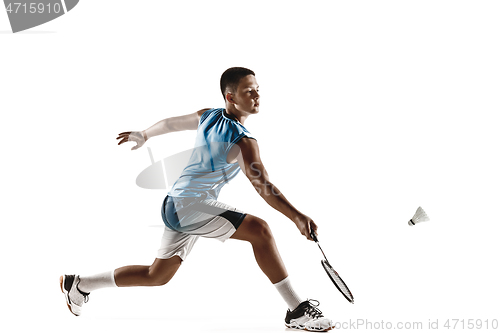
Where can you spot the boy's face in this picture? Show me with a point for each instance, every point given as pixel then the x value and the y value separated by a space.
pixel 247 98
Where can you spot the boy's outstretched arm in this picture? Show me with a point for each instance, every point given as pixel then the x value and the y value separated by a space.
pixel 250 163
pixel 168 125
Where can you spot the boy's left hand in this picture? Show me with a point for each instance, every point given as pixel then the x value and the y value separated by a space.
pixel 137 137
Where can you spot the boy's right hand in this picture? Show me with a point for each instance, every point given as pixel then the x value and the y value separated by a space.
pixel 305 224
pixel 137 137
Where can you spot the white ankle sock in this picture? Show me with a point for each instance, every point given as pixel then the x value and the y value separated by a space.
pixel 286 291
pixel 93 282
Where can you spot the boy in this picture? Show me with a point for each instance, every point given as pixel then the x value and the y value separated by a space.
pixel 190 210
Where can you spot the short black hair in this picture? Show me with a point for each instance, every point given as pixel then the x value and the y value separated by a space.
pixel 231 78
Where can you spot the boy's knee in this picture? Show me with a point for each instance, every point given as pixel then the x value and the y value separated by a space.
pixel 158 276
pixel 261 230
pixel 158 280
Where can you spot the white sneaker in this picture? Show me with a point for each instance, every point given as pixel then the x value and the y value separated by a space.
pixel 308 317
pixel 74 296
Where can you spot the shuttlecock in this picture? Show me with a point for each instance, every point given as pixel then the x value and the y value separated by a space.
pixel 420 216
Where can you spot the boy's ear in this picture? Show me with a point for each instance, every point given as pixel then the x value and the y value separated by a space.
pixel 229 97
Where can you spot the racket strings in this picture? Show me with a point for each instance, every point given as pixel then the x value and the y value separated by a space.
pixel 338 281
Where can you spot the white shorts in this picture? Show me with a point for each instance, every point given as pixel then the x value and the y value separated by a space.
pixel 186 219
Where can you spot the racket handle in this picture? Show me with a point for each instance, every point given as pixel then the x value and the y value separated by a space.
pixel 313 236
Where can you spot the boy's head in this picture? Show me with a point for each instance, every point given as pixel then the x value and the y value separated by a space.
pixel 231 78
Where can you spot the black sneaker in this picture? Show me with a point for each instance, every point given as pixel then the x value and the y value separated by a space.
pixel 74 296
pixel 308 317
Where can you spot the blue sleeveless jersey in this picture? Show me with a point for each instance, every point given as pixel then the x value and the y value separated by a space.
pixel 207 170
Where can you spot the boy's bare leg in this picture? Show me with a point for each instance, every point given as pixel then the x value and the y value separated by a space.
pixel 159 273
pixel 257 232
pixel 301 314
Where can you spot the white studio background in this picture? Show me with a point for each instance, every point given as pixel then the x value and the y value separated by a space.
pixel 369 109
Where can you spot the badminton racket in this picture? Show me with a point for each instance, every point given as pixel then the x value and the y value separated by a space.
pixel 334 276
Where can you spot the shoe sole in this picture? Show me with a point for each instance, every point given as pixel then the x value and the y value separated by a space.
pixel 305 329
pixel 61 281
